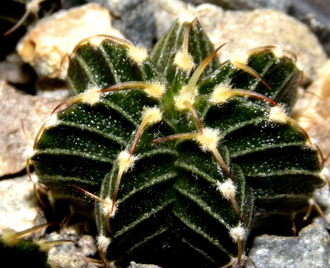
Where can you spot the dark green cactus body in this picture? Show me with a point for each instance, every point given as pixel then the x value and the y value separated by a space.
pixel 17 252
pixel 23 253
pixel 171 200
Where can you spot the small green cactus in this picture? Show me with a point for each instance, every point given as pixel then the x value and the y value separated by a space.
pixel 18 252
pixel 182 156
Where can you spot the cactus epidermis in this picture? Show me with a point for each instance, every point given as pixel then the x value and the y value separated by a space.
pixel 182 155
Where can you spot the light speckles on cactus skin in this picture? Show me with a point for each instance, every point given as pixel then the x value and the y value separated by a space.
pixel 184 155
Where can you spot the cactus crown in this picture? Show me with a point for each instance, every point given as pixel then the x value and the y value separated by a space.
pixel 182 154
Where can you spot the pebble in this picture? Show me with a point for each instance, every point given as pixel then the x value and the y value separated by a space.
pixel 310 249
pixel 18 208
pixel 282 5
pixel 134 18
pixel 70 255
pixel 244 30
pixel 313 111
pixel 53 38
pixel 14 108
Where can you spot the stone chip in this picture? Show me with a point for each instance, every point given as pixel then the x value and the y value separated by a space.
pixel 53 38
pixel 310 249
pixel 15 107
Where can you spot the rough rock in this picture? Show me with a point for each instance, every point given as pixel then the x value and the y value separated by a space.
pixel 70 255
pixel 315 14
pixel 134 18
pixel 322 199
pixel 12 70
pixel 138 265
pixel 15 107
pixel 310 249
pixel 244 30
pixel 18 208
pixel 282 5
pixel 166 12
pixel 53 38
pixel 313 111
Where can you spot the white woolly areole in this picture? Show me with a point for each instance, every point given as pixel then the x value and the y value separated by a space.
pixel 156 89
pixel 311 143
pixel 91 96
pixel 325 175
pixel 9 238
pixel 44 245
pixel 29 152
pixel 184 61
pixel 186 95
pixel 187 14
pixel 34 178
pixel 227 189
pixel 278 115
pixel 96 41
pixel 312 140
pixel 138 54
pixel 103 242
pixel 237 233
pixel 152 114
pixel 238 262
pixel 278 52
pixel 125 161
pixel 208 139
pixel 240 56
pixel 221 93
pixel 52 121
pixel 107 206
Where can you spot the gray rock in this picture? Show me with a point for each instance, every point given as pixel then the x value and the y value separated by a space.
pixel 282 5
pixel 138 265
pixel 315 14
pixel 319 9
pixel 15 107
pixel 244 30
pixel 71 254
pixel 321 197
pixel 312 111
pixel 166 12
pixel 310 249
pixel 18 207
pixel 134 18
pixel 12 70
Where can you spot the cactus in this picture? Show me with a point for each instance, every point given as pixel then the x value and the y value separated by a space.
pixel 180 155
pixel 17 251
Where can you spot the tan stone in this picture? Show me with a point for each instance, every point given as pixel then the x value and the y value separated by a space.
pixel 313 111
pixel 53 38
pixel 244 30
